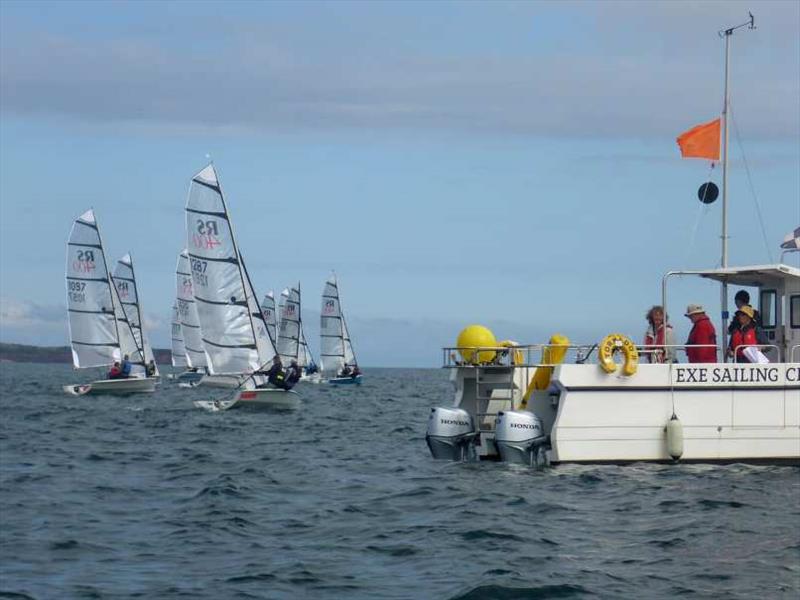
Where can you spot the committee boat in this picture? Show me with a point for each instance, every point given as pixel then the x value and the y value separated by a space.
pixel 234 331
pixel 337 358
pixel 100 332
pixel 557 402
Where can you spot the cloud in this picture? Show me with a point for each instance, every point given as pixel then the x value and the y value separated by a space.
pixel 643 71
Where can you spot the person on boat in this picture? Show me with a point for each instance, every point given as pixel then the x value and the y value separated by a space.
pixel 742 298
pixel 355 372
pixel 311 368
pixel 115 372
pixel 126 366
pixel 150 370
pixel 292 375
pixel 345 372
pixel 701 347
pixel 275 375
pixel 658 335
pixel 746 334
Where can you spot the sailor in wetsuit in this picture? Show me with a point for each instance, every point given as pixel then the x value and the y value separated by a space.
pixel 275 375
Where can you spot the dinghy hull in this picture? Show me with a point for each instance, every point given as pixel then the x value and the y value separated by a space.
pixel 346 380
pixel 114 387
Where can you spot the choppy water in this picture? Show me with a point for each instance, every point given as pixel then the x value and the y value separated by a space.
pixel 149 497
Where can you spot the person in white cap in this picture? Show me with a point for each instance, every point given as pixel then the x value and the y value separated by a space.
pixel 701 347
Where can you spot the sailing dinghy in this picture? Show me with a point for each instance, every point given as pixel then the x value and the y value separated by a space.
pixel 234 331
pixel 336 354
pixel 268 310
pixel 124 278
pixel 100 333
pixel 196 361
pixel 292 345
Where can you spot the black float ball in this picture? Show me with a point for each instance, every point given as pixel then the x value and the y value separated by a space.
pixel 708 192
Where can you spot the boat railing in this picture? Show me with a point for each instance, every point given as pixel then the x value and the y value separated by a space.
pixel 757 347
pixel 503 357
pixel 792 356
pixel 530 355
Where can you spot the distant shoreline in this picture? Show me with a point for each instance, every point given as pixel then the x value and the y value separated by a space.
pixel 23 353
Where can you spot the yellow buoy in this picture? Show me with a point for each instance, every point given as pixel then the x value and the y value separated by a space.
pixel 476 336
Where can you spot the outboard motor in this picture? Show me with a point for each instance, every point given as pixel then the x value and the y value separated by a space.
pixel 520 437
pixel 451 432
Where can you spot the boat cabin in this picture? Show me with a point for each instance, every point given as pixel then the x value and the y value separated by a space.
pixel 778 303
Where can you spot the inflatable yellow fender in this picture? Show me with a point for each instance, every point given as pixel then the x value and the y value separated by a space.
pixel 552 354
pixel 613 343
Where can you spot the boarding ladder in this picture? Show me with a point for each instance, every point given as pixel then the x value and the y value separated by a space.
pixel 488 380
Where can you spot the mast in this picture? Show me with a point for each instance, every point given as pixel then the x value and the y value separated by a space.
pixel 727 34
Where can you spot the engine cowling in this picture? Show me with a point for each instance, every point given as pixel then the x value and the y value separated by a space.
pixel 519 437
pixel 451 433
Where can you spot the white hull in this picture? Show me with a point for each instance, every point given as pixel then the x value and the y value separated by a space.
pixel 263 399
pixel 229 382
pixel 729 412
pixel 116 387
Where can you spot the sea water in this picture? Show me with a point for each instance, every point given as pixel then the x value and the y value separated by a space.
pixel 150 497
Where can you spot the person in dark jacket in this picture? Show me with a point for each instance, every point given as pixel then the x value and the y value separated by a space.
pixel 702 342
pixel 275 375
pixel 292 375
pixel 742 298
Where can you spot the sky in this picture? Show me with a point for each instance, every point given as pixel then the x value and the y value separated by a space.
pixel 506 163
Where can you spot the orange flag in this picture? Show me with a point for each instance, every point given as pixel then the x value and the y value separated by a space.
pixel 701 141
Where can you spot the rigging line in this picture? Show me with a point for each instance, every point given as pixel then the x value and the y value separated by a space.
pixel 702 212
pixel 750 183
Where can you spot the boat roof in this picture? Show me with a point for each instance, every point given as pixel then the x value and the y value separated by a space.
pixel 754 275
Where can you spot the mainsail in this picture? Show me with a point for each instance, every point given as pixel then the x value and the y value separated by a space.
pixel 99 331
pixel 128 293
pixel 336 350
pixel 234 330
pixel 289 330
pixel 187 312
pixel 268 310
pixel 178 345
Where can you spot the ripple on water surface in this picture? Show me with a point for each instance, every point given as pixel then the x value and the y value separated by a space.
pixel 149 497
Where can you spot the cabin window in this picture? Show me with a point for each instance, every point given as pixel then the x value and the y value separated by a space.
pixel 794 311
pixel 768 306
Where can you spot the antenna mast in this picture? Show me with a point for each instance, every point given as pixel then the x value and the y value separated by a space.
pixel 727 33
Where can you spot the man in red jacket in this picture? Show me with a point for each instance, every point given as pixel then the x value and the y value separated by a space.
pixel 702 332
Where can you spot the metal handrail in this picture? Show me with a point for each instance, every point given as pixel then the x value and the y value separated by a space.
pixel 504 355
pixel 792 351
pixel 759 346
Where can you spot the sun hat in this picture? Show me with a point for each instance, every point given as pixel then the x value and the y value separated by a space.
pixel 747 310
pixel 694 309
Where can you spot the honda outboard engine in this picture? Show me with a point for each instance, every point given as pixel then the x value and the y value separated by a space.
pixel 520 437
pixel 450 435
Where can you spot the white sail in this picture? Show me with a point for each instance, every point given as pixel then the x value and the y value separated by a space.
pixel 234 331
pixel 336 350
pixel 99 332
pixel 124 278
pixel 178 345
pixel 187 312
pixel 268 310
pixel 304 358
pixel 289 330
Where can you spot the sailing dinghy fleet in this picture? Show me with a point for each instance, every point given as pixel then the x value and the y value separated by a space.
pixel 220 335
